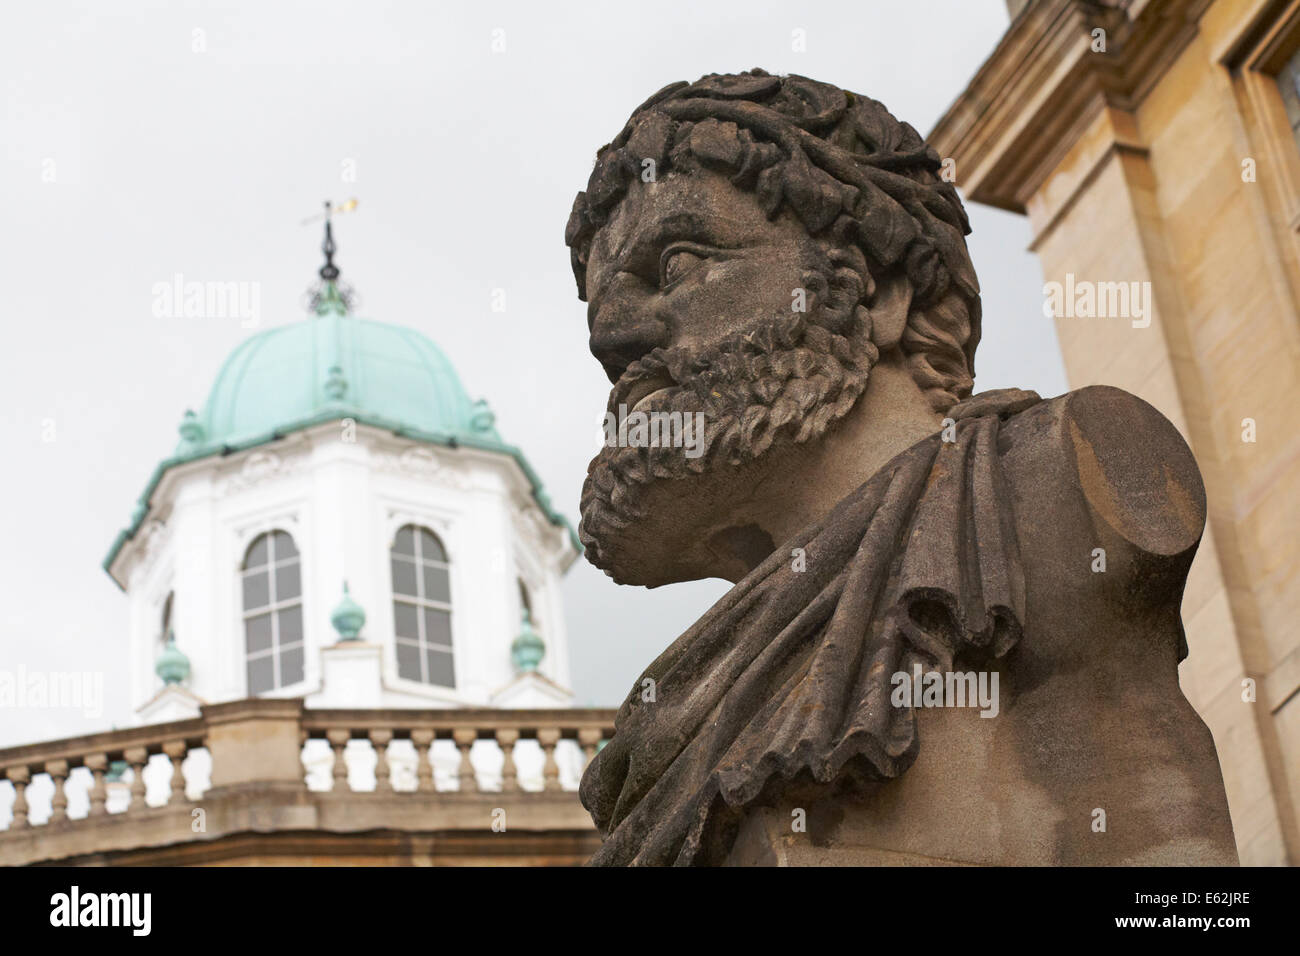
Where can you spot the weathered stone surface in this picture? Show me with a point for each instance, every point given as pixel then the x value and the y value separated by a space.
pixel 1170 163
pixel 782 259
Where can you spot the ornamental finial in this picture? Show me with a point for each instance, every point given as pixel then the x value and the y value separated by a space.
pixel 329 271
pixel 330 295
pixel 528 649
pixel 348 617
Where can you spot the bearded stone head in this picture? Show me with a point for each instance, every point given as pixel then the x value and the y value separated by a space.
pixel 780 260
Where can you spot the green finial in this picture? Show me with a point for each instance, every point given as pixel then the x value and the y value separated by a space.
pixel 348 618
pixel 528 649
pixel 191 428
pixel 329 300
pixel 482 418
pixel 172 666
pixel 329 297
pixel 329 271
pixel 336 386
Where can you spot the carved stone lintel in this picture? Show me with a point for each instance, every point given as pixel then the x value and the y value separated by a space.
pixel 261 467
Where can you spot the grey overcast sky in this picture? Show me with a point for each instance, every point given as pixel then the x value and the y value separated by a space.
pixel 167 160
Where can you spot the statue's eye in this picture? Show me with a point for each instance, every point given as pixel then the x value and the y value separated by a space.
pixel 678 260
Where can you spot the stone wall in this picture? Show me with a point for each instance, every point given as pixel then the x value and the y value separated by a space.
pixel 1176 169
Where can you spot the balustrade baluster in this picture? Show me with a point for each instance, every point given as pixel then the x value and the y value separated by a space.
pixel 383 776
pixel 506 739
pixel 467 779
pixel 588 740
pixel 548 737
pixel 137 757
pixel 19 777
pixel 422 740
pixel 97 764
pixel 58 771
pixel 338 740
pixel 175 751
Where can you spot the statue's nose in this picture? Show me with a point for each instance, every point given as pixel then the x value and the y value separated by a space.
pixel 624 326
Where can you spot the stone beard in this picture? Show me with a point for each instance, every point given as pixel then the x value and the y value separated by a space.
pixel 782 257
pixel 783 380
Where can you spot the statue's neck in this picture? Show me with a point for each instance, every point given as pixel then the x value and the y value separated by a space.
pixel 809 480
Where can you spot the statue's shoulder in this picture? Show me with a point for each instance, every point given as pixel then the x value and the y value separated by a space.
pixel 1135 472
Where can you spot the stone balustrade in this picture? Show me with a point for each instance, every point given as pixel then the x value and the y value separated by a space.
pixel 444 781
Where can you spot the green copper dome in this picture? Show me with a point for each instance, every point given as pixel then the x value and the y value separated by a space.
pixel 329 366
pixel 325 368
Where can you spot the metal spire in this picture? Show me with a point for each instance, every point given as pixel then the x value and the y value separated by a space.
pixel 330 295
pixel 329 271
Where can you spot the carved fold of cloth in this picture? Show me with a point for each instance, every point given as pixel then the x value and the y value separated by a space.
pixel 787 679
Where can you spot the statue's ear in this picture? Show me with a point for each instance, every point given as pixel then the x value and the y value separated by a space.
pixel 889 311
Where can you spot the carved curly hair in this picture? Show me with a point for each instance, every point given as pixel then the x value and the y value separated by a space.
pixel 853 174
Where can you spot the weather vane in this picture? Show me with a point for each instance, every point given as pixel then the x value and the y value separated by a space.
pixel 329 289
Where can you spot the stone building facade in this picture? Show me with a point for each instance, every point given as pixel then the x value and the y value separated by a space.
pixel 1152 145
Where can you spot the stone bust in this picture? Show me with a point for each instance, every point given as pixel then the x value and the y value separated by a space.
pixel 779 260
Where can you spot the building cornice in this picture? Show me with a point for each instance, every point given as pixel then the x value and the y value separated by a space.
pixel 1043 83
pixel 209 453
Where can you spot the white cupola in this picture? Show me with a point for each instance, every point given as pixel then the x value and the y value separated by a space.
pixel 342 523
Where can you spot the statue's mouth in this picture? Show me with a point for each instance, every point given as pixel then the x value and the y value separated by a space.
pixel 635 387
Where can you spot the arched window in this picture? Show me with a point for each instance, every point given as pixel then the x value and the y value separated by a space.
pixel 272 585
pixel 422 607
